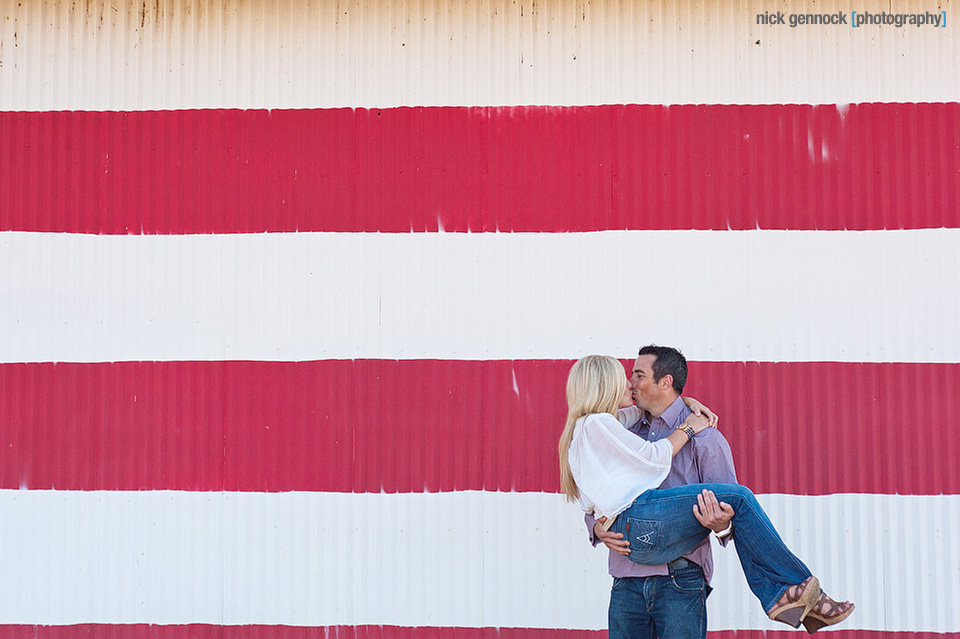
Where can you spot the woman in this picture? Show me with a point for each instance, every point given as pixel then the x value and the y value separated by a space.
pixel 614 474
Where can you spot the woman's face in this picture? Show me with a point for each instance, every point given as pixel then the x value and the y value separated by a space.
pixel 627 400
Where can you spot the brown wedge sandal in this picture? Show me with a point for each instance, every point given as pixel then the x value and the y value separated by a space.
pixel 796 602
pixel 835 613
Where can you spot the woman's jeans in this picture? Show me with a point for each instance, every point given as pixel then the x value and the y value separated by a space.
pixel 660 527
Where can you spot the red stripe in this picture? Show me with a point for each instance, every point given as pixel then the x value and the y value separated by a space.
pixel 550 169
pixel 410 426
pixel 203 631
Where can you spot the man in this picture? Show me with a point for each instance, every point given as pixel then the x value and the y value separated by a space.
pixel 668 601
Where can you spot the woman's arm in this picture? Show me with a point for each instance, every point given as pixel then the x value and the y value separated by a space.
pixel 609 442
pixel 692 425
pixel 699 409
pixel 629 416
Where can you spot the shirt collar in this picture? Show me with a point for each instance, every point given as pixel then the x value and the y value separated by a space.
pixel 672 416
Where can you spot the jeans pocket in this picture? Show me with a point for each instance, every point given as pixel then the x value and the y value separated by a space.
pixel 644 535
pixel 688 579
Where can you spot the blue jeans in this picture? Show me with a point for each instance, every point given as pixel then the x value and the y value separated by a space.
pixel 660 527
pixel 669 607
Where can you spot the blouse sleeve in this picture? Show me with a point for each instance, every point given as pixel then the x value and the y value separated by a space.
pixel 629 416
pixel 612 466
pixel 612 442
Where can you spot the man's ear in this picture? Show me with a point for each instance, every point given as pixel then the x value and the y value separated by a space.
pixel 666 382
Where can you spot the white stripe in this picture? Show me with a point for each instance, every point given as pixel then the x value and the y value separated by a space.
pixel 127 54
pixel 466 559
pixel 878 296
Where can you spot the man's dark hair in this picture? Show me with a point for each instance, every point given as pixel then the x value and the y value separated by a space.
pixel 669 361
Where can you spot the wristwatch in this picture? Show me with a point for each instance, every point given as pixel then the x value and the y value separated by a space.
pixel 723 534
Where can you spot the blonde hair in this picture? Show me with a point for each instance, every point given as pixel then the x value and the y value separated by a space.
pixel 595 385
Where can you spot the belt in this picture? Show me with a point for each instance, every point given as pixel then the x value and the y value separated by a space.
pixel 679 563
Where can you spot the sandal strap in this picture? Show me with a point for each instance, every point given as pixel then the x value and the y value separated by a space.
pixel 828 608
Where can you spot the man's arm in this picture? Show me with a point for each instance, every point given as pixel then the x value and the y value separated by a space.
pixel 613 541
pixel 715 465
pixel 590 521
pixel 714 458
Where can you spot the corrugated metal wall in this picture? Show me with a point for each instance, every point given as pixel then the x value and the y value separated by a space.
pixel 289 290
pixel 284 54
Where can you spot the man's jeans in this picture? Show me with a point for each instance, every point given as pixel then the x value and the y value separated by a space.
pixel 660 527
pixel 671 607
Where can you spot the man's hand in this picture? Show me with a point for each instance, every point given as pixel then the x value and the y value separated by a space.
pixel 712 514
pixel 613 541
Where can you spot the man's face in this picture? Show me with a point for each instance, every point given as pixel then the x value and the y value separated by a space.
pixel 646 392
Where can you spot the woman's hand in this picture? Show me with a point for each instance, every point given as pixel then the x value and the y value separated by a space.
pixel 697 422
pixel 692 424
pixel 700 409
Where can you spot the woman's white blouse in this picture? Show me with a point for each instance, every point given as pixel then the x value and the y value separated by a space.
pixel 612 466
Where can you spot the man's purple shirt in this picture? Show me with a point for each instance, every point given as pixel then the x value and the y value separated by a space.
pixel 705 459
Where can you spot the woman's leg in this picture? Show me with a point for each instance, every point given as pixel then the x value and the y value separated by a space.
pixel 660 527
pixel 769 566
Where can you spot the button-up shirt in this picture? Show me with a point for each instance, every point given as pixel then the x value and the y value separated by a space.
pixel 705 459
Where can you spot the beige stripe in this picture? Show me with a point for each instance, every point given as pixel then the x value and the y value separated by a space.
pixel 125 54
